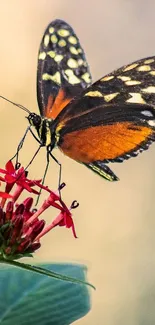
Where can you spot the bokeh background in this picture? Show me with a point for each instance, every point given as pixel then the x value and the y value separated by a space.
pixel 115 223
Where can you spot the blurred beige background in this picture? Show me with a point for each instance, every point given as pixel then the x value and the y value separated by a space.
pixel 115 223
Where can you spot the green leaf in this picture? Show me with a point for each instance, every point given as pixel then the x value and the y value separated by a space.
pixel 44 271
pixel 34 299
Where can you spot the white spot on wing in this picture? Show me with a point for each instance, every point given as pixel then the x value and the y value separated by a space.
pixel 150 90
pixel 62 43
pixel 132 82
pixel 72 79
pixel 52 54
pixel 72 63
pixel 56 77
pixel 149 61
pixel 63 32
pixel 46 40
pixel 58 58
pixel 147 113
pixel 107 78
pixel 54 39
pixel 109 97
pixel 79 50
pixel 151 122
pixel 80 62
pixel 144 68
pixel 72 40
pixel 136 98
pixel 42 55
pixel 51 30
pixel 86 77
pixel 73 50
pixel 124 78
pixel 95 93
pixel 130 67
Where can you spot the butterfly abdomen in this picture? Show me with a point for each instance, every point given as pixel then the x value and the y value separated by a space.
pixel 47 134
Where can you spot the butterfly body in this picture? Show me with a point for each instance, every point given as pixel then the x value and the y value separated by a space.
pixel 43 127
pixel 108 121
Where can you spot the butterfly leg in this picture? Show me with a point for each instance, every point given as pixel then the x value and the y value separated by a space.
pixel 60 171
pixel 34 135
pixel 47 164
pixel 30 162
pixel 20 145
pixel 43 179
pixel 25 169
pixel 46 169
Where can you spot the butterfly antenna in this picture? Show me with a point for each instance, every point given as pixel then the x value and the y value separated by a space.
pixel 18 105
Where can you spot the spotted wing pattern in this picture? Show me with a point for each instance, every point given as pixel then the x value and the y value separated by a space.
pixel 63 71
pixel 113 120
pixel 133 83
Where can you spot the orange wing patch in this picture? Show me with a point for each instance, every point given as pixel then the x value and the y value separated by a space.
pixel 55 106
pixel 106 142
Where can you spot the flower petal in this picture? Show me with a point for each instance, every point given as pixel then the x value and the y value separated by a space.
pixel 5 195
pixel 9 179
pixel 9 167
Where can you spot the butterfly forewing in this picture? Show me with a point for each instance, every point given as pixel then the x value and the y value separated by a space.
pixel 62 69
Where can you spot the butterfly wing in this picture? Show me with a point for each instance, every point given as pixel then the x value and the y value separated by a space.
pixel 113 120
pixel 63 71
pixel 133 83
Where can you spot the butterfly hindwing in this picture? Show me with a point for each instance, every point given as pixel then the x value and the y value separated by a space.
pixel 132 83
pixel 113 120
pixel 63 71
pixel 107 133
pixel 102 170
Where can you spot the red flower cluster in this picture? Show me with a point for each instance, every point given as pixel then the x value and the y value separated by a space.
pixel 20 225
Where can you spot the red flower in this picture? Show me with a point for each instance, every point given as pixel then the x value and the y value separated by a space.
pixel 20 225
pixel 63 219
pixel 16 176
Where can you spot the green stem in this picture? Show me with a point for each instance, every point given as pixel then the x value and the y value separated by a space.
pixel 43 271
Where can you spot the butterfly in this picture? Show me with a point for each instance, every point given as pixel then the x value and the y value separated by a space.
pixel 110 120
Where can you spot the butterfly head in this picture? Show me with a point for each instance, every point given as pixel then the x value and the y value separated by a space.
pixel 34 120
pixel 37 122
